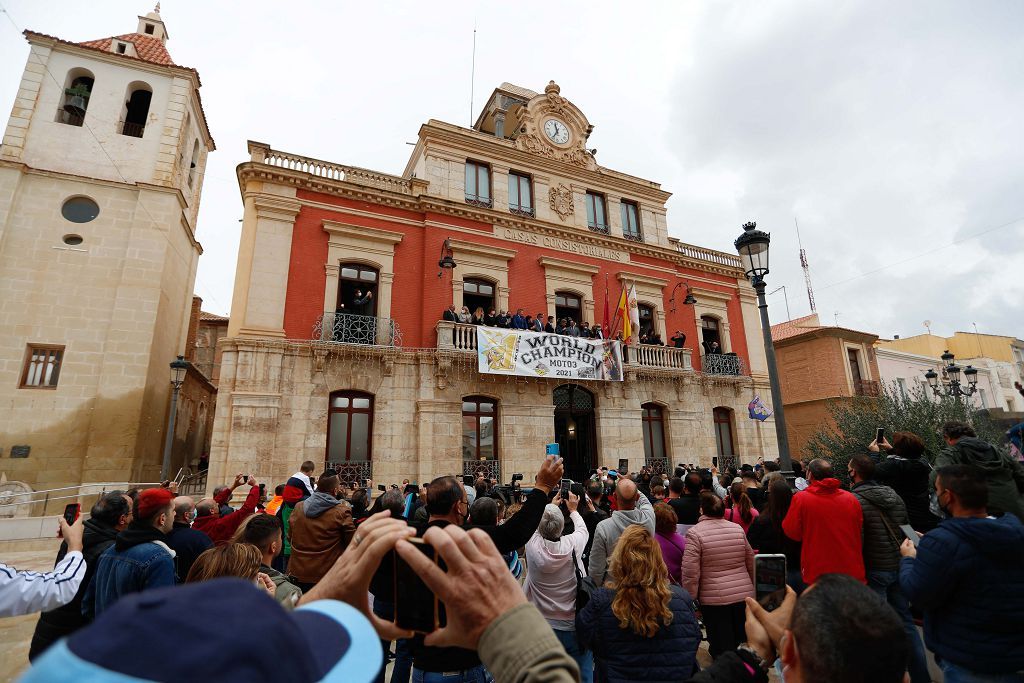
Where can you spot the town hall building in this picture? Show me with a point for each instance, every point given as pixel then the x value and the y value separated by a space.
pixel 337 350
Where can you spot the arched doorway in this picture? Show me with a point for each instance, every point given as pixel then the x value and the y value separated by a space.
pixel 576 430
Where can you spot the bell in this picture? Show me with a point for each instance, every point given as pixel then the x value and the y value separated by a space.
pixel 75 106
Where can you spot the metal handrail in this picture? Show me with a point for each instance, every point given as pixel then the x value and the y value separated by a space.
pixel 47 497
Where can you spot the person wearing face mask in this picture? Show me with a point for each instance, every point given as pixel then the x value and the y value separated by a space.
pixel 965 575
pixel 140 558
pixel 186 542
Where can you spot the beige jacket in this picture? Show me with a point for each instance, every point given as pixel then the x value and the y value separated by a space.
pixel 520 647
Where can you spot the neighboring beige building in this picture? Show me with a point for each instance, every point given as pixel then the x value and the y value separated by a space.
pixel 382 388
pixel 999 355
pixel 101 170
pixel 905 371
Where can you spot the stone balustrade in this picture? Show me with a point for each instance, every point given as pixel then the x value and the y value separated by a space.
pixel 665 357
pixel 262 154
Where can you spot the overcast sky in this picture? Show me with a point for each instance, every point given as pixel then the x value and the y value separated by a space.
pixel 892 131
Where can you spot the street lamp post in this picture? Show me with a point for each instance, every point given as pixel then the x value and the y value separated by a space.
pixel 951 384
pixel 752 246
pixel 178 369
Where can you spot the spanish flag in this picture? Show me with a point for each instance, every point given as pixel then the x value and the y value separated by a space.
pixel 622 311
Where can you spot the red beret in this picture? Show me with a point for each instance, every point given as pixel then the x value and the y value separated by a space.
pixel 152 501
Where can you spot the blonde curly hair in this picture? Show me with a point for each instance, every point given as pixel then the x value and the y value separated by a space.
pixel 641 583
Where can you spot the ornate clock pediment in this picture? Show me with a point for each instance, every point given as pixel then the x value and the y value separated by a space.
pixel 566 118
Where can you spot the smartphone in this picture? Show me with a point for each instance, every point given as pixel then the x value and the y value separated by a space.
pixel 770 580
pixel 71 512
pixel 563 488
pixel 411 488
pixel 382 487
pixel 714 461
pixel 263 490
pixel 416 607
pixel 551 449
pixel 623 465
pixel 879 435
pixel 909 532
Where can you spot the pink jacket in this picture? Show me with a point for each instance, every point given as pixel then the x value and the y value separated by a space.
pixel 718 563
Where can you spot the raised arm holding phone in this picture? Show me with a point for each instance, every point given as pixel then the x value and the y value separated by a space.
pixel 25 592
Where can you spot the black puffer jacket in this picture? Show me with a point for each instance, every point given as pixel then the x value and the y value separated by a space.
pixel 881 541
pixel 909 478
pixel 65 620
pixel 621 655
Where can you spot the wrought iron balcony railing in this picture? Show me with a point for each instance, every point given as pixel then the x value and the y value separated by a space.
pixel 723 364
pixel 490 468
pixel 866 387
pixel 347 328
pixel 352 473
pixel 134 130
pixel 599 227
pixel 633 236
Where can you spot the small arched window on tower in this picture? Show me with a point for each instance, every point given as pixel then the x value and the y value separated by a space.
pixel 193 163
pixel 77 90
pixel 136 111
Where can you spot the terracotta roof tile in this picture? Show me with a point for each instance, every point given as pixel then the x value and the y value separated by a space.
pixel 792 328
pixel 148 48
pixel 212 317
pixel 517 90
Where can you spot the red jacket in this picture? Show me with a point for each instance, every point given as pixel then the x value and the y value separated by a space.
pixel 220 529
pixel 828 521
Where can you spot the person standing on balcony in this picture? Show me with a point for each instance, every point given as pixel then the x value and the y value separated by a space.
pixel 538 323
pixel 478 316
pixel 571 328
pixel 491 319
pixel 465 317
pixel 711 347
pixel 679 340
pixel 596 332
pixel 519 320
pixel 450 315
pixel 360 304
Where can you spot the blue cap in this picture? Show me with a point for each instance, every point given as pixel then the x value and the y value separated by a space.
pixel 225 630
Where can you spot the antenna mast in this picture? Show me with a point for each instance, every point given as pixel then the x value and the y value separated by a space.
pixel 472 78
pixel 807 269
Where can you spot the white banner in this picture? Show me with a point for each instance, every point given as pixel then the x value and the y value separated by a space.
pixel 538 354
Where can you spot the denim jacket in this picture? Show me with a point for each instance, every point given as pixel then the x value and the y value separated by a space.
pixel 118 573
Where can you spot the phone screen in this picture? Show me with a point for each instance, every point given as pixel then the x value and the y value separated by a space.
pixel 880 435
pixel 909 532
pixel 623 465
pixel 416 607
pixel 71 511
pixel 770 580
pixel 714 461
pixel 563 487
pixel 382 487
pixel 551 449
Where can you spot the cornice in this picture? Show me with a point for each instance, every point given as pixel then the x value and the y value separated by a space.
pixel 642 279
pixel 563 264
pixel 250 171
pixel 362 233
pixel 481 249
pixel 712 294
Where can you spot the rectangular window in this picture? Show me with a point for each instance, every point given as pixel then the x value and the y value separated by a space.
pixel 984 399
pixel 42 366
pixel 121 47
pixel 520 194
pixel 902 384
pixel 478 183
pixel 630 221
pixel 596 220
pixel 150 28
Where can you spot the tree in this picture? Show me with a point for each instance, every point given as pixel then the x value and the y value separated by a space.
pixel 855 422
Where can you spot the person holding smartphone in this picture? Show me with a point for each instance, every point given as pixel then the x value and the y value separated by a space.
pixel 25 592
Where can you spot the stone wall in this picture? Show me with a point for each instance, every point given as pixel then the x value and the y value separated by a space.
pixel 272 411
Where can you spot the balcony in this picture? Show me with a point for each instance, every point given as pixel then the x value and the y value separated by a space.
pixel 482 202
pixel 601 228
pixel 346 328
pixel 457 336
pixel 524 211
pixel 661 357
pixel 134 130
pixel 865 387
pixel 64 116
pixel 353 474
pixel 723 364
pixel 633 236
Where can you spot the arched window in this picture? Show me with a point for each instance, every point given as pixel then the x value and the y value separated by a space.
pixel 723 431
pixel 193 163
pixel 646 320
pixel 350 434
pixel 479 431
pixel 477 293
pixel 136 109
pixel 77 91
pixel 709 334
pixel 654 432
pixel 568 305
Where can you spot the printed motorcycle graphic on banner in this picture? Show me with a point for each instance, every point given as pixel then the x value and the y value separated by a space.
pixel 536 354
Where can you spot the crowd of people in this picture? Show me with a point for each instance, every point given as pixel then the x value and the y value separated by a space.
pixel 617 578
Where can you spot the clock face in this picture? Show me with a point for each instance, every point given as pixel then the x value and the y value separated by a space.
pixel 557 131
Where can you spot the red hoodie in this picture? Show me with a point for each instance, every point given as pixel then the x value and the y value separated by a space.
pixel 828 521
pixel 220 529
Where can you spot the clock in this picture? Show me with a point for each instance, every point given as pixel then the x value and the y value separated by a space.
pixel 556 131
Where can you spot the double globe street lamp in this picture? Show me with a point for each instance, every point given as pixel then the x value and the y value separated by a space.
pixel 752 246
pixel 951 384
